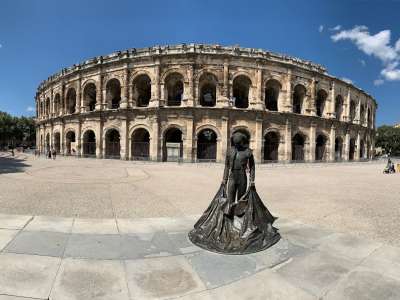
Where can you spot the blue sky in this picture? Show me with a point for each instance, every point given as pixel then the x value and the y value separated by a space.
pixel 349 37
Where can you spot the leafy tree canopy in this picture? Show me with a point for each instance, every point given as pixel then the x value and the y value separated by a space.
pixel 16 131
pixel 388 137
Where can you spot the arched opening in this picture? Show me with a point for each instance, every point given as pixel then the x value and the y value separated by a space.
pixel 113 93
pixel 141 90
pixel 338 148
pixel 140 144
pixel 368 152
pixel 174 89
pixel 244 131
pixel 352 111
pixel 57 104
pixel 173 145
pixel 320 103
pixel 272 89
pixel 339 107
pixel 299 94
pixel 207 145
pixel 48 142
pixel 362 115
pixel 271 146
pixel 369 122
pixel 89 143
pixel 320 147
pixel 89 96
pixel 208 90
pixel 241 91
pixel 70 148
pixel 41 143
pixel 57 142
pixel 352 149
pixel 362 149
pixel 48 111
pixel 113 146
pixel 71 101
pixel 298 147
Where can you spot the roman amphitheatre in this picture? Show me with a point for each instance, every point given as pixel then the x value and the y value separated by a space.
pixel 184 102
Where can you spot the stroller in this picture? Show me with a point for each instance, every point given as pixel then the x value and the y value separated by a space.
pixel 389 169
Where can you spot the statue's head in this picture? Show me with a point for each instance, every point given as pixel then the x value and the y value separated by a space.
pixel 240 141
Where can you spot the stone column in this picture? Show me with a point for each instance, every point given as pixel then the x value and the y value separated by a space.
pixel 155 141
pixel 288 140
pixel 347 146
pixel 125 89
pixel 62 98
pixel 258 140
pixel 78 103
pixel 332 138
pixel 331 112
pixel 311 103
pixel 190 93
pixel 52 103
pixel 312 141
pixel 188 141
pixel 256 99
pixel 124 138
pixel 79 139
pixel 223 99
pixel 358 113
pixel 358 142
pixel 347 106
pixel 62 137
pixel 99 138
pixel 289 96
pixel 155 86
pixel 221 151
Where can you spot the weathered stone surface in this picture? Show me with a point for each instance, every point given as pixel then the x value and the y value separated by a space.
pixel 6 235
pixel 39 243
pixel 90 279
pixel 363 284
pixel 13 221
pixel 27 275
pixel 95 226
pixel 161 278
pixel 48 223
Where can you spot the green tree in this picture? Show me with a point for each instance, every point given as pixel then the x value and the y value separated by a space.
pixel 388 138
pixel 16 131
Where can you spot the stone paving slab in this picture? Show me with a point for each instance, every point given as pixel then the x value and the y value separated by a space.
pixel 27 275
pixel 95 226
pixel 6 235
pixel 13 221
pixel 90 279
pixel 46 223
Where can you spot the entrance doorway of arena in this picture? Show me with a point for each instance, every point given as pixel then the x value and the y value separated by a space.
pixel 206 145
pixel 57 142
pixel 47 142
pixel 173 145
pixel 320 147
pixel 298 147
pixel 89 144
pixel 362 149
pixel 271 146
pixel 70 143
pixel 338 149
pixel 140 144
pixel 352 149
pixel 113 146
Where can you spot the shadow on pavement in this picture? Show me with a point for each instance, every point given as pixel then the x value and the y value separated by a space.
pixel 9 164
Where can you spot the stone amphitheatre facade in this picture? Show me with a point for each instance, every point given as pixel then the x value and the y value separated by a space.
pixel 184 102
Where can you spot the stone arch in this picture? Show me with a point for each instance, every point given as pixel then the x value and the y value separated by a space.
pixel 339 107
pixel 57 141
pixel 112 140
pixel 89 143
pixel 141 89
pixel 320 103
pixel 89 96
pixel 271 145
pixel 172 143
pixel 338 148
pixel 271 96
pixel 208 126
pixel 299 94
pixel 369 118
pixel 71 100
pixel 70 140
pixel 362 114
pixel 206 145
pixel 320 147
pixel 207 89
pixel 298 146
pixel 48 142
pixel 140 143
pixel 352 110
pixel 174 88
pixel 362 149
pixel 48 110
pixel 57 104
pixel 113 93
pixel 352 149
pixel 241 90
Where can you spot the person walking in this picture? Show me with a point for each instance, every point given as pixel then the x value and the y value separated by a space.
pixel 54 153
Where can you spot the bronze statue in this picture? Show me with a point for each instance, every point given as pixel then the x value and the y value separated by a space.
pixel 236 221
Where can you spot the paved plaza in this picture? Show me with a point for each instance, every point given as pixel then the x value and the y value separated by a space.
pixel 106 229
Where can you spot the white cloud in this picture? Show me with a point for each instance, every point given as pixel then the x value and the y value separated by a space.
pixel 377 45
pixel 30 109
pixel 321 28
pixel 347 80
pixel 336 28
pixel 378 82
pixel 363 63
